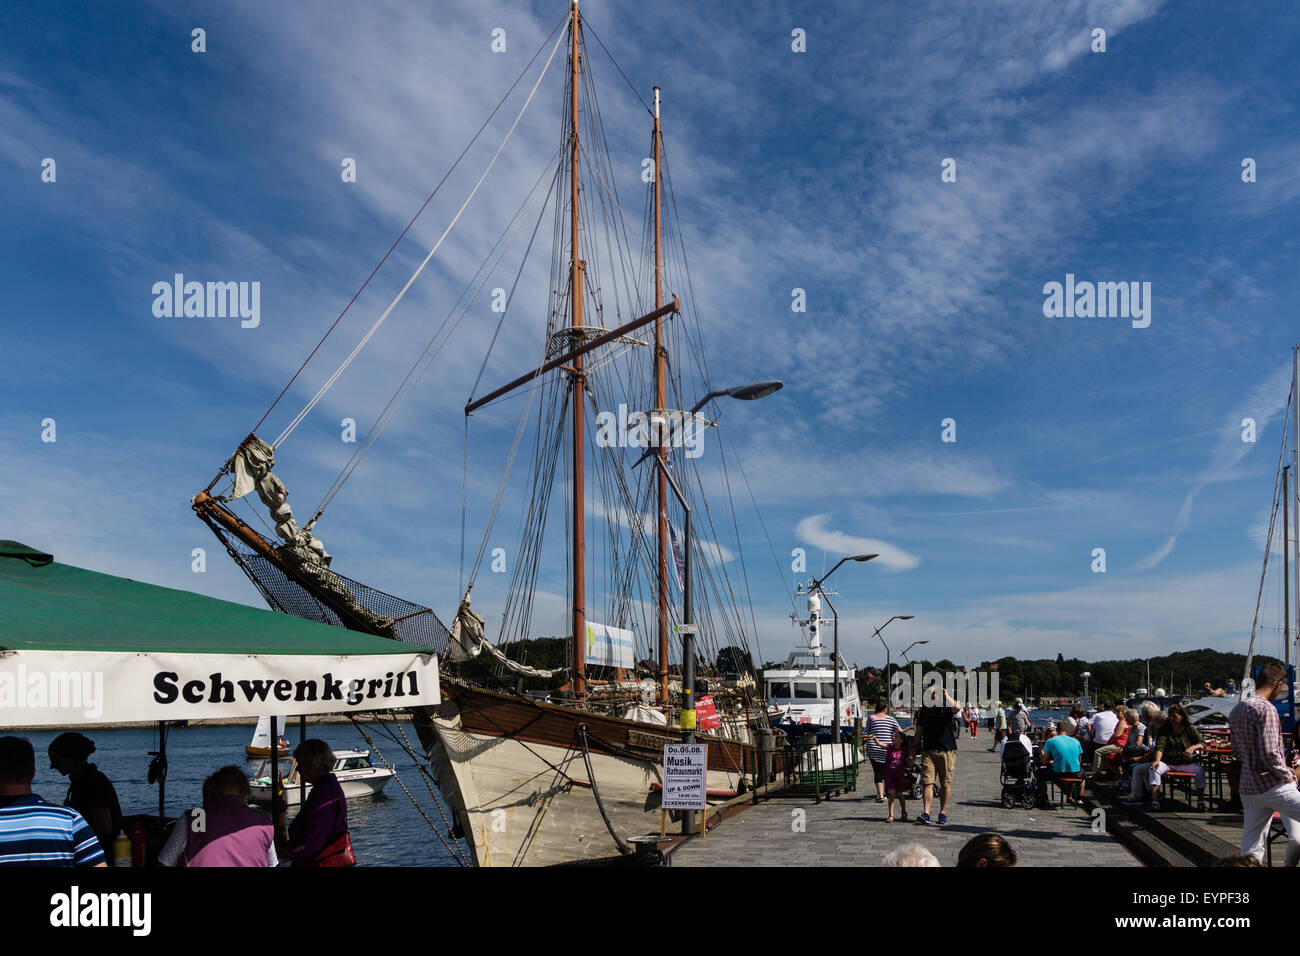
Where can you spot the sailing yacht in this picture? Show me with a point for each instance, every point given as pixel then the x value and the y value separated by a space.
pixel 574 772
pixel 263 734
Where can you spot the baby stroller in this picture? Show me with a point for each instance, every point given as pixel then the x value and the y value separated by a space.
pixel 1017 776
pixel 912 777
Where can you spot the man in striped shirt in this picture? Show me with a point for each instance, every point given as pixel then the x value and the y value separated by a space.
pixel 33 832
pixel 1267 783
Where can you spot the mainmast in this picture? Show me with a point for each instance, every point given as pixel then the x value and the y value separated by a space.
pixel 1295 474
pixel 578 383
pixel 661 402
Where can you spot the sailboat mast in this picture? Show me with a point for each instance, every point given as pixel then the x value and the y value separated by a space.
pixel 578 384
pixel 1286 564
pixel 661 402
pixel 1295 472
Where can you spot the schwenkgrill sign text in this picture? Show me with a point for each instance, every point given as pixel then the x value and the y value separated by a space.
pixel 177 686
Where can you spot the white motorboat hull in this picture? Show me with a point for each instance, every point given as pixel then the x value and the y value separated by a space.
pixel 354 788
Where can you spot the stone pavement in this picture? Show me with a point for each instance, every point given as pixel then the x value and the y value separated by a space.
pixel 850 830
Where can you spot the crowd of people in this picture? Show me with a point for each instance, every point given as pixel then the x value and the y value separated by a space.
pixel 1134 747
pixel 224 831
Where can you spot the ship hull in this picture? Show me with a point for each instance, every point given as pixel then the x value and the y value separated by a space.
pixel 514 772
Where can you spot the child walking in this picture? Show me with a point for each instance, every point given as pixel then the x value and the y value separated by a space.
pixel 896 761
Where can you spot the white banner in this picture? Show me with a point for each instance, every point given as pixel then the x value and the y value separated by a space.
pixel 611 646
pixel 67 688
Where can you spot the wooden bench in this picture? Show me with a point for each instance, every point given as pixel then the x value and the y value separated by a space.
pixel 1071 787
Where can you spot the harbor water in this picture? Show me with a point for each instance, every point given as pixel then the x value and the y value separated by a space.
pixel 387 830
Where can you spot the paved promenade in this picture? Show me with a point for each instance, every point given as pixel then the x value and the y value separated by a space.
pixel 850 830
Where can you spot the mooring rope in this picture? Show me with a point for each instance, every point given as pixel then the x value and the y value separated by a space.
pixel 455 854
pixel 595 791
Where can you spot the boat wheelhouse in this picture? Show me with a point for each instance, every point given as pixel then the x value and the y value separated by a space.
pixel 802 693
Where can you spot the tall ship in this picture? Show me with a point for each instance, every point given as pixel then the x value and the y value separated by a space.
pixel 558 761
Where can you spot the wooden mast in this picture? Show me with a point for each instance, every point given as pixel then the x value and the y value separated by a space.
pixel 578 383
pixel 661 402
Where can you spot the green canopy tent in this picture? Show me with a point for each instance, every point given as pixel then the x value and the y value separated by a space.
pixel 79 647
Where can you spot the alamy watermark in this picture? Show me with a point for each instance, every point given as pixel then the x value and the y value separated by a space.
pixel 968 688
pixel 210 300
pixel 1102 300
pixel 654 429
pixel 54 690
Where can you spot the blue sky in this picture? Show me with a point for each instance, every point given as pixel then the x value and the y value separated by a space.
pixel 816 170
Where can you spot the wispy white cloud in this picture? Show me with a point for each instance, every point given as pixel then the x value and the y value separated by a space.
pixel 1267 400
pixel 814 530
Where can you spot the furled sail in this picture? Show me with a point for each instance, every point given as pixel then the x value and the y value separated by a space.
pixel 302 551
pixel 467 642
pixel 252 466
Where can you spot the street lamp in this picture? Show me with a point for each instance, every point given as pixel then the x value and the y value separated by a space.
pixel 744 393
pixel 903 652
pixel 896 617
pixel 835 659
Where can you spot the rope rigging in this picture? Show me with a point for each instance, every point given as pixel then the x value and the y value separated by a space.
pixel 329 382
pixel 402 234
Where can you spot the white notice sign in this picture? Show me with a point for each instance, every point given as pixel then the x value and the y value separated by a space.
pixel 685 768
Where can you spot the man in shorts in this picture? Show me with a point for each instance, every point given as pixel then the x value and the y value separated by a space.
pixel 938 746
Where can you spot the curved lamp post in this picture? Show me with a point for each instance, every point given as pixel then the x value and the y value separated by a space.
pixel 835 659
pixel 744 393
pixel 896 617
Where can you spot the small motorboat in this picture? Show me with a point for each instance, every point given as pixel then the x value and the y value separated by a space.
pixel 356 775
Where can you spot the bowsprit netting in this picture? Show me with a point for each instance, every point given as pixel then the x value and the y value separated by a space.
pixel 323 600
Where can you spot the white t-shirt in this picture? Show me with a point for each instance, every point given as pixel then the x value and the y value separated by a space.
pixel 1103 726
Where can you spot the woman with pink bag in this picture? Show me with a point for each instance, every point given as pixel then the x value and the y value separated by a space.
pixel 318 835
